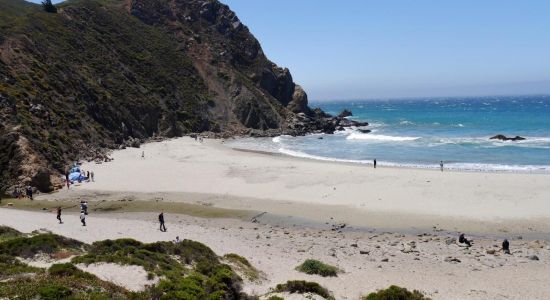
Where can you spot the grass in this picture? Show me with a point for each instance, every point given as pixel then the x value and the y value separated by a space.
pixel 123 205
pixel 303 287
pixel 396 293
pixel 315 267
pixel 243 266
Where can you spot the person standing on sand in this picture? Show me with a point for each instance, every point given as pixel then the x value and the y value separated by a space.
pixel 441 165
pixel 506 246
pixel 374 163
pixel 29 192
pixel 92 174
pixel 142 154
pixel 161 221
pixel 59 214
pixel 82 218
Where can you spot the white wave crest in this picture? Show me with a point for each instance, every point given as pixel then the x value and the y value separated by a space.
pixel 380 137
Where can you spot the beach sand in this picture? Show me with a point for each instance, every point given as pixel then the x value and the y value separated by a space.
pixel 409 217
pixel 182 170
pixel 420 262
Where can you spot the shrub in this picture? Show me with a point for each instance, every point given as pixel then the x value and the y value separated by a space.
pixel 396 293
pixel 302 287
pixel 275 298
pixel 54 292
pixel 312 266
pixel 243 266
pixel 42 243
pixel 10 265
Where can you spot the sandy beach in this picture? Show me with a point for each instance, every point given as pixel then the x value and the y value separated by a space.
pixel 400 227
pixel 209 173
pixel 432 262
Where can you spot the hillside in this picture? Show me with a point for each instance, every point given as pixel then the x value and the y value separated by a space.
pixel 101 74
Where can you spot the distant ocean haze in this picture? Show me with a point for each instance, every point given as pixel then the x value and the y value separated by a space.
pixel 421 132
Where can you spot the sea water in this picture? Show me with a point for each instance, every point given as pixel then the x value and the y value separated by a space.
pixel 422 132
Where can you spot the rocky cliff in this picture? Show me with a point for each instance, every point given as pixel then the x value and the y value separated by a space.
pixel 105 73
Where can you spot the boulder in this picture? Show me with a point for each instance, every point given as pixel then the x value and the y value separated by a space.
pixel 345 113
pixel 505 138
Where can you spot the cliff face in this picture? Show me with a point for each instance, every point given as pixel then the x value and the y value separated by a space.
pixel 100 73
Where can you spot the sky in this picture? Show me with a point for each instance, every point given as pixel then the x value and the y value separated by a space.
pixel 362 49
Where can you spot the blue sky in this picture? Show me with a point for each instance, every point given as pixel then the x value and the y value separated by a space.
pixel 369 49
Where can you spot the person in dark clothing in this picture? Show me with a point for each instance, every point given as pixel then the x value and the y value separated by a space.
pixel 441 165
pixel 82 218
pixel 59 215
pixel 29 192
pixel 375 163
pixel 463 240
pixel 506 246
pixel 161 221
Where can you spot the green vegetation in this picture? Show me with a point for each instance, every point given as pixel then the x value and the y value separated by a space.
pixel 188 270
pixel 396 293
pixel 302 287
pixel 8 233
pixel 42 243
pixel 275 298
pixel 243 266
pixel 312 266
pixel 10 266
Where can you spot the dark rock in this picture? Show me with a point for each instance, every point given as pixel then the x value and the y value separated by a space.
pixel 364 130
pixel 364 252
pixel 533 257
pixel 505 138
pixel 345 113
pixel 452 259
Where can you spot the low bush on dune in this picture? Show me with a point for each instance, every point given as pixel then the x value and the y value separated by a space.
pixel 243 266
pixel 396 293
pixel 312 266
pixel 275 298
pixel 10 266
pixel 47 243
pixel 190 270
pixel 303 287
pixel 8 233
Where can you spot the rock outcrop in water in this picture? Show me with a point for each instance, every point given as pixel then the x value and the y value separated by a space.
pixel 102 75
pixel 505 138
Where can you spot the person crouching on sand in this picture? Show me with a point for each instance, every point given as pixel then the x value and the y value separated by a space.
pixel 464 240
pixel 82 218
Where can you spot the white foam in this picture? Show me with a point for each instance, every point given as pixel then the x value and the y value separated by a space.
pixel 380 137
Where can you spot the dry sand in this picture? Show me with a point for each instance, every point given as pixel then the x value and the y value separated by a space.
pixel 423 209
pixel 414 261
pixel 394 198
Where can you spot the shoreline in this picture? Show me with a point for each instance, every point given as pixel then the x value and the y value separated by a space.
pixel 395 165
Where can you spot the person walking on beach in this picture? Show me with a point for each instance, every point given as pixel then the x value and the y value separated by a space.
pixel 441 165
pixel 82 218
pixel 374 163
pixel 142 154
pixel 84 206
pixel 161 221
pixel 59 215
pixel 92 174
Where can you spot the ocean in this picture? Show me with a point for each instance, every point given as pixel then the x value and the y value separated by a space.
pixel 424 131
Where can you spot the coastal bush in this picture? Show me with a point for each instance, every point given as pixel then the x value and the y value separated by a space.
pixel 275 298
pixel 10 266
pixel 47 243
pixel 243 266
pixel 312 266
pixel 8 233
pixel 396 293
pixel 190 270
pixel 302 287
pixel 54 292
pixel 68 269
